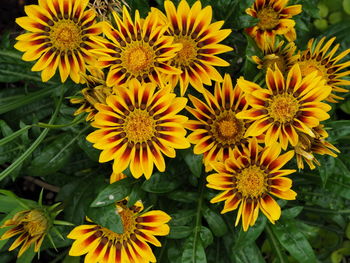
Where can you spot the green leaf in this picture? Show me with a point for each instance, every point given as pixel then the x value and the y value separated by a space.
pixel 135 195
pixel 193 251
pixel 183 196
pixel 53 157
pixel 87 147
pixel 179 232
pixel 326 168
pixel 25 99
pixel 215 221
pixel 194 162
pixel 106 216
pixel 338 129
pixel 246 238
pixel 293 241
pixel 206 236
pixel 248 254
pixel 27 256
pixel 113 192
pixel 160 183
pixel 292 212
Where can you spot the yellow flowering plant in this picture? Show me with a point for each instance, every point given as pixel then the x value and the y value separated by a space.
pixel 175 131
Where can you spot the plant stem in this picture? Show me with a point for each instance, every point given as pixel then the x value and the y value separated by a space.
pixel 274 243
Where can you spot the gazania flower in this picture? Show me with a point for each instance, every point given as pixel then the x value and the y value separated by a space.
pixel 281 55
pixel 59 36
pixel 31 226
pixel 308 146
pixel 139 49
pixel 200 39
pixel 95 92
pixel 250 180
pixel 217 131
pixel 103 245
pixel 116 177
pixel 287 106
pixel 137 126
pixel 274 19
pixel 321 58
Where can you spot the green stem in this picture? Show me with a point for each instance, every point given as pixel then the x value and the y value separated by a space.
pixel 274 243
pixel 36 143
pixel 14 135
pixel 77 120
pixel 198 224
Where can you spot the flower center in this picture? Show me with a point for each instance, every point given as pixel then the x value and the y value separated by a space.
pixel 251 182
pixel 268 18
pixel 35 223
pixel 227 129
pixel 139 126
pixel 65 34
pixel 283 108
pixel 138 59
pixel 271 60
pixel 188 52
pixel 307 67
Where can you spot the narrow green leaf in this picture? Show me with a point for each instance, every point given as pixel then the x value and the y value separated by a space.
pixel 28 98
pixel 215 221
pixel 106 216
pixel 193 251
pixel 326 168
pixel 27 256
pixel 292 212
pixel 35 144
pixel 293 241
pixel 53 156
pixel 113 192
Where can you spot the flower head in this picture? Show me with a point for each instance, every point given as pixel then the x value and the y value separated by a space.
pixel 103 245
pixel 321 59
pixel 95 92
pixel 287 105
pixel 200 38
pixel 31 226
pixel 249 180
pixel 217 131
pixel 137 126
pixel 280 54
pixel 59 36
pixel 274 19
pixel 137 49
pixel 308 146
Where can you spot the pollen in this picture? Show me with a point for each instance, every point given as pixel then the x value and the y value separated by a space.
pixel 188 52
pixel 283 108
pixel 251 182
pixel 228 129
pixel 65 35
pixel 138 59
pixel 139 126
pixel 268 18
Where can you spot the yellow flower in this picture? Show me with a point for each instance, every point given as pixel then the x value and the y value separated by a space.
pixel 116 177
pixel 137 126
pixel 320 58
pixel 274 19
pixel 138 49
pixel 103 245
pixel 31 226
pixel 286 106
pixel 200 39
pixel 217 131
pixel 59 36
pixel 277 54
pixel 248 181
pixel 95 92
pixel 308 146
